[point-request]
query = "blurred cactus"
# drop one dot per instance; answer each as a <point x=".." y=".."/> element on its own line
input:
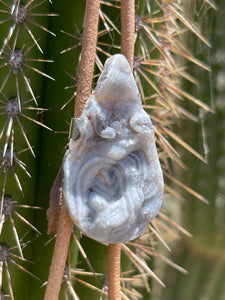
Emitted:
<point x="203" y="254"/>
<point x="34" y="69"/>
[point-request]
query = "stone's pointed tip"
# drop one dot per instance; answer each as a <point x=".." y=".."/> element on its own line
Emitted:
<point x="116" y="81"/>
<point x="119" y="62"/>
<point x="119" y="57"/>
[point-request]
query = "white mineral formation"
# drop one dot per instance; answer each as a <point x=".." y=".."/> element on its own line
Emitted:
<point x="113" y="183"/>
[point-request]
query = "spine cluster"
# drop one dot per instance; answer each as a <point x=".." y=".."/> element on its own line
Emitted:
<point x="20" y="35"/>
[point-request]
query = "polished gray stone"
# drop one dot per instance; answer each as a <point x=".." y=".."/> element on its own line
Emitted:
<point x="113" y="183"/>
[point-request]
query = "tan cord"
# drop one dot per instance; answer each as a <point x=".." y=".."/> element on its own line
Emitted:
<point x="86" y="68"/>
<point x="127" y="49"/>
<point x="127" y="29"/>
<point x="114" y="251"/>
<point x="59" y="256"/>
<point x="55" y="203"/>
<point x="88" y="53"/>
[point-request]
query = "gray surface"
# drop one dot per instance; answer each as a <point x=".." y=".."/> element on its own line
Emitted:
<point x="113" y="184"/>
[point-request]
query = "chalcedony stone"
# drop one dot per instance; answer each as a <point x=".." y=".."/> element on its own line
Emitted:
<point x="113" y="183"/>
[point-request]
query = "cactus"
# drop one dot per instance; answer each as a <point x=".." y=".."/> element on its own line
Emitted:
<point x="203" y="254"/>
<point x="39" y="56"/>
